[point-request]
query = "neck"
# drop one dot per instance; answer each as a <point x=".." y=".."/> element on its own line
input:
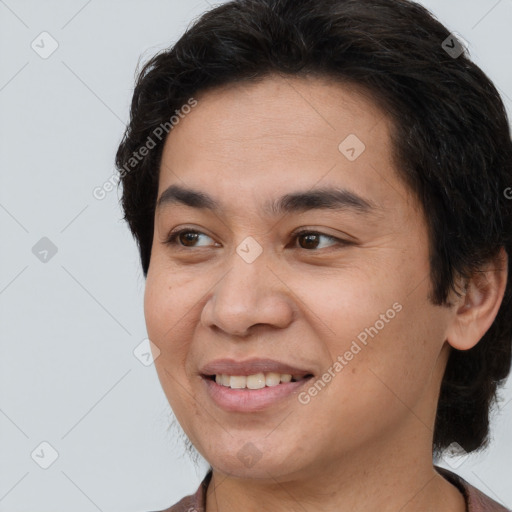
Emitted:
<point x="390" y="480"/>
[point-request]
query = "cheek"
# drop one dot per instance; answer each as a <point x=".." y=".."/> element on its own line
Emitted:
<point x="393" y="366"/>
<point x="169" y="299"/>
<point x="166" y="322"/>
<point x="343" y="304"/>
<point x="165" y="312"/>
<point x="155" y="307"/>
<point x="385" y="338"/>
<point x="379" y="385"/>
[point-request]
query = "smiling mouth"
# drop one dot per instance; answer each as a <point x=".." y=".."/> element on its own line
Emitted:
<point x="256" y="381"/>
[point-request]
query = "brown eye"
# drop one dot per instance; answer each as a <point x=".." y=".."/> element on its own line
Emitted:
<point x="311" y="240"/>
<point x="186" y="238"/>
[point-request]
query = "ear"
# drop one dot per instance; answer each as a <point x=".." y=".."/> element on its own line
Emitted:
<point x="476" y="310"/>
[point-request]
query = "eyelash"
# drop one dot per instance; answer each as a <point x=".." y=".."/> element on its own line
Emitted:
<point x="173" y="236"/>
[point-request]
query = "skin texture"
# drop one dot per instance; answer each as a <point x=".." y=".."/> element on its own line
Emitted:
<point x="364" y="442"/>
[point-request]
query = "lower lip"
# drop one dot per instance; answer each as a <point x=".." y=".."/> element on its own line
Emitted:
<point x="250" y="400"/>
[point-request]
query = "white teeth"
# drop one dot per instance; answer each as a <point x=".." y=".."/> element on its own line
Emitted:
<point x="272" y="379"/>
<point x="237" y="382"/>
<point x="255" y="381"/>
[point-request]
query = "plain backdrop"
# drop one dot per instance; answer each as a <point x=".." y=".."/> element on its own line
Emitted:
<point x="75" y="394"/>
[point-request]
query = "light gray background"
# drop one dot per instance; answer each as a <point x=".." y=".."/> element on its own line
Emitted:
<point x="68" y="375"/>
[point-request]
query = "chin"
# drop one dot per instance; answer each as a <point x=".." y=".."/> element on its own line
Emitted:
<point x="251" y="463"/>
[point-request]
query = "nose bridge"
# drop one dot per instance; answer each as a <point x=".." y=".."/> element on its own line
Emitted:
<point x="248" y="276"/>
<point x="249" y="293"/>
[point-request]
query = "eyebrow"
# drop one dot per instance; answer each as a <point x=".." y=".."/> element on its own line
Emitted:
<point x="295" y="202"/>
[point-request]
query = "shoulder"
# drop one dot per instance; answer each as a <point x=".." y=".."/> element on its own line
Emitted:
<point x="186" y="504"/>
<point x="476" y="500"/>
<point x="194" y="502"/>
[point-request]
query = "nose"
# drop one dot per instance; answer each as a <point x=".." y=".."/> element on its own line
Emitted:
<point x="248" y="295"/>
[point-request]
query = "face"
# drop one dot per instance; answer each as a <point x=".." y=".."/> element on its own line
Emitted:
<point x="301" y="253"/>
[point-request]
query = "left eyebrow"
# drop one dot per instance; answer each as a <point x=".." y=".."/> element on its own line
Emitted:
<point x="295" y="202"/>
<point x="320" y="199"/>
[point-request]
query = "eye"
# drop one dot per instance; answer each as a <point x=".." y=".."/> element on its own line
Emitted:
<point x="186" y="238"/>
<point x="309" y="240"/>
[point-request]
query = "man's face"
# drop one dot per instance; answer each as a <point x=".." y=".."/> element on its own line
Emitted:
<point x="346" y="302"/>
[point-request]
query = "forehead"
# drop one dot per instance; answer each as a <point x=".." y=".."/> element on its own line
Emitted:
<point x="279" y="134"/>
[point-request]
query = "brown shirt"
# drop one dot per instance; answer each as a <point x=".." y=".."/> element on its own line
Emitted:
<point x="476" y="501"/>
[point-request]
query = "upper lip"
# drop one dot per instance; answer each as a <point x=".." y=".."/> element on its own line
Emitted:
<point x="250" y="367"/>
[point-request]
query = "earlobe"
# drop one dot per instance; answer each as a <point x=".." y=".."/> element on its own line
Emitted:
<point x="477" y="308"/>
